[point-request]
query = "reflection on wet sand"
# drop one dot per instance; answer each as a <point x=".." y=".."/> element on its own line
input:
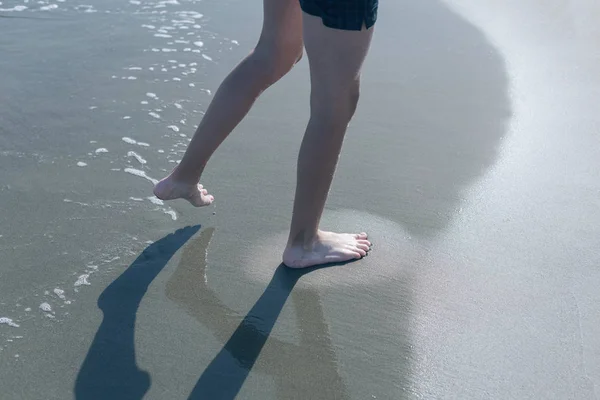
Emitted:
<point x="285" y="362"/>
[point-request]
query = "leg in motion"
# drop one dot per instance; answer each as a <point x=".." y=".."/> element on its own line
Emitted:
<point x="335" y="57"/>
<point x="278" y="49"/>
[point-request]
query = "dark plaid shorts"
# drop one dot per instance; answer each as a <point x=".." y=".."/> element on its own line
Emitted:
<point x="349" y="15"/>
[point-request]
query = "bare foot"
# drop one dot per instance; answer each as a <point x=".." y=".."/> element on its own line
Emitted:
<point x="327" y="247"/>
<point x="170" y="189"/>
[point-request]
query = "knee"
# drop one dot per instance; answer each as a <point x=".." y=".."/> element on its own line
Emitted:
<point x="336" y="102"/>
<point x="276" y="60"/>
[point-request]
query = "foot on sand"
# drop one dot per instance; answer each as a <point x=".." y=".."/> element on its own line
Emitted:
<point x="170" y="189"/>
<point x="327" y="247"/>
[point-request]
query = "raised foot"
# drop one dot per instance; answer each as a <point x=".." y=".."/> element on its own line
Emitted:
<point x="327" y="247"/>
<point x="170" y="189"/>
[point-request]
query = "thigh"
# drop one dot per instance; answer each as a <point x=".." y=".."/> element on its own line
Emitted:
<point x="335" y="56"/>
<point x="282" y="23"/>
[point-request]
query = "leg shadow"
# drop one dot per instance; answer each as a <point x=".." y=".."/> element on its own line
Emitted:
<point x="440" y="105"/>
<point x="225" y="375"/>
<point x="109" y="370"/>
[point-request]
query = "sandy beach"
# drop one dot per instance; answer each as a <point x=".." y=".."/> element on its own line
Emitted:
<point x="473" y="162"/>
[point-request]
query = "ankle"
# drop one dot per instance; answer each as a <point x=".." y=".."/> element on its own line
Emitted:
<point x="180" y="176"/>
<point x="304" y="238"/>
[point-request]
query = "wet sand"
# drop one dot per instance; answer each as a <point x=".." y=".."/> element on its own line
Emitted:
<point x="473" y="162"/>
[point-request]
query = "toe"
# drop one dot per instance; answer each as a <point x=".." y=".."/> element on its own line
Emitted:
<point x="204" y="191"/>
<point x="361" y="252"/>
<point x="361" y="236"/>
<point x="363" y="241"/>
<point x="363" y="247"/>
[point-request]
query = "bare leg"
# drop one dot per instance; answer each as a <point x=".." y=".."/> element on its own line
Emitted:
<point x="336" y="58"/>
<point x="278" y="49"/>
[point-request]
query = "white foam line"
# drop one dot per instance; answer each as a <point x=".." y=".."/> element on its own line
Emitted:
<point x="49" y="7"/>
<point x="152" y="95"/>
<point x="172" y="213"/>
<point x="82" y="280"/>
<point x="60" y="293"/>
<point x="81" y="164"/>
<point x="190" y="14"/>
<point x="156" y="200"/>
<point x="174" y="128"/>
<point x="141" y="174"/>
<point x="137" y="157"/>
<point x="153" y="114"/>
<point x="8" y="321"/>
<point x="101" y="150"/>
<point x="46" y="307"/>
<point x="15" y="8"/>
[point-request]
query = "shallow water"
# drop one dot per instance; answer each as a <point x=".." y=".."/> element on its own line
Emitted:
<point x="472" y="162"/>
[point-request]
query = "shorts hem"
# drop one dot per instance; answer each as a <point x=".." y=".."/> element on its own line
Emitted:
<point x="347" y="25"/>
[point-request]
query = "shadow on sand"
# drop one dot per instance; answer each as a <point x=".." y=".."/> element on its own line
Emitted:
<point x="109" y="370"/>
<point x="431" y="120"/>
<point x="225" y="375"/>
<point x="445" y="67"/>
